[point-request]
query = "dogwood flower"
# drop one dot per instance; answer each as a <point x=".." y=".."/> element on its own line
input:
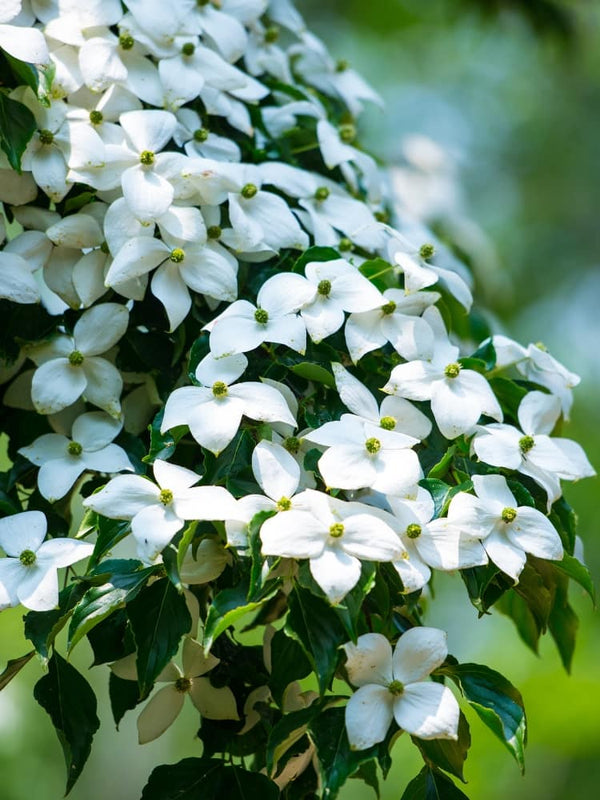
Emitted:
<point x="507" y="531"/>
<point x="16" y="281"/>
<point x="334" y="535"/>
<point x="29" y="573"/>
<point x="214" y="410"/>
<point x="158" y="511"/>
<point x="392" y="685"/>
<point x="164" y="707"/>
<point x="532" y="451"/>
<point x="68" y="366"/>
<point x="62" y="460"/>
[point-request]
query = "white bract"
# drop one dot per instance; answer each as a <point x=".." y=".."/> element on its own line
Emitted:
<point x="62" y="460"/>
<point x="28" y="575"/>
<point x="532" y="451"/>
<point x="213" y="411"/>
<point x="158" y="511"/>
<point x="393" y="685"/>
<point x="507" y="531"/>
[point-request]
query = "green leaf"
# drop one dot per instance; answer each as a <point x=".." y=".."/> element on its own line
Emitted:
<point x="286" y="732"/>
<point x="25" y="73"/>
<point x="314" y="372"/>
<point x="125" y="580"/>
<point x="228" y="606"/>
<point x="336" y="760"/>
<point x="315" y="254"/>
<point x="69" y="700"/>
<point x="486" y="352"/>
<point x="380" y="272"/>
<point x="349" y="609"/>
<point x="13" y="667"/>
<point x="207" y="779"/>
<point x="41" y="627"/>
<point x="258" y="560"/>
<point x="572" y="567"/>
<point x="159" y="618"/>
<point x="440" y="469"/>
<point x="110" y="533"/>
<point x="430" y="784"/>
<point x="124" y="695"/>
<point x="563" y="624"/>
<point x="447" y="754"/>
<point x="442" y="493"/>
<point x="314" y="623"/>
<point x="496" y="701"/>
<point x="289" y="663"/>
<point x="509" y="394"/>
<point x="17" y="126"/>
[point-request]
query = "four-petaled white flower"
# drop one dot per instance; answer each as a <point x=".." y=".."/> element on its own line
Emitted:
<point x="394" y="686"/>
<point x="29" y="573"/>
<point x="164" y="707"/>
<point x="62" y="460"/>
<point x="507" y="531"/>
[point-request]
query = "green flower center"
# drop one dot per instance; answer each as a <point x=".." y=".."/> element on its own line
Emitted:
<point x="104" y="248"/>
<point x="76" y="358"/>
<point x="322" y="193"/>
<point x="74" y="449"/>
<point x="426" y="251"/>
<point x="382" y="216"/>
<point x="214" y="232"/>
<point x="284" y="504"/>
<point x="261" y="316"/>
<point x="46" y="136"/>
<point x="452" y="370"/>
<point x="345" y="245"/>
<point x="249" y="191"/>
<point x="126" y="41"/>
<point x="27" y="558"/>
<point x="201" y="134"/>
<point x="177" y="255"/>
<point x="389" y="308"/>
<point x="292" y="444"/>
<point x="271" y="34"/>
<point x="414" y="530"/>
<point x="396" y="688"/>
<point x="188" y="49"/>
<point x="165" y="496"/>
<point x="372" y="445"/>
<point x="387" y="423"/>
<point x="324" y="288"/>
<point x="183" y="685"/>
<point x="146" y="158"/>
<point x="509" y="514"/>
<point x="541" y="346"/>
<point x="526" y="443"/>
<point x="96" y="117"/>
<point x="347" y="133"/>
<point x="219" y="389"/>
<point x="341" y="65"/>
<point x="336" y="530"/>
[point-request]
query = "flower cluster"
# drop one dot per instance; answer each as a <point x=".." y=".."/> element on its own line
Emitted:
<point x="201" y="248"/>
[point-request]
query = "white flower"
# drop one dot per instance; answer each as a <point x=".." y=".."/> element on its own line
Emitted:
<point x="393" y="686"/>
<point x="213" y="411"/>
<point x="25" y="43"/>
<point x="164" y="707"/>
<point x="333" y="535"/>
<point x="69" y="365"/>
<point x="532" y="451"/>
<point x="157" y="512"/>
<point x="508" y="531"/>
<point x="458" y="396"/>
<point x="29" y="574"/>
<point x="16" y="281"/>
<point x="62" y="460"/>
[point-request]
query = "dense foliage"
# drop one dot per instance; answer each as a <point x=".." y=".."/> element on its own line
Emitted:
<point x="206" y="288"/>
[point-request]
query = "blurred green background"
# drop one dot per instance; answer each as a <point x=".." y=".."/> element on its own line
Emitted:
<point x="511" y="90"/>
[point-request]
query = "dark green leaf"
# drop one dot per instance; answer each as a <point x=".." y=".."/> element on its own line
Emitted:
<point x="315" y="254"/>
<point x="367" y="772"/>
<point x="71" y="704"/>
<point x="124" y="695"/>
<point x="314" y="372"/>
<point x="228" y="607"/>
<point x="159" y="618"/>
<point x="41" y="627"/>
<point x="336" y="760"/>
<point x="442" y="493"/>
<point x="289" y="663"/>
<point x="207" y="779"/>
<point x="440" y="469"/>
<point x="111" y="639"/>
<point x="572" y="567"/>
<point x="486" y="352"/>
<point x="496" y="701"/>
<point x="430" y="784"/>
<point x="287" y="731"/>
<point x="349" y="610"/>
<point x="124" y="581"/>
<point x="314" y="623"/>
<point x="13" y="667"/>
<point x="447" y="754"/>
<point x="509" y="394"/>
<point x="110" y="532"/>
<point x="254" y="540"/>
<point x="25" y="73"/>
<point x="17" y="126"/>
